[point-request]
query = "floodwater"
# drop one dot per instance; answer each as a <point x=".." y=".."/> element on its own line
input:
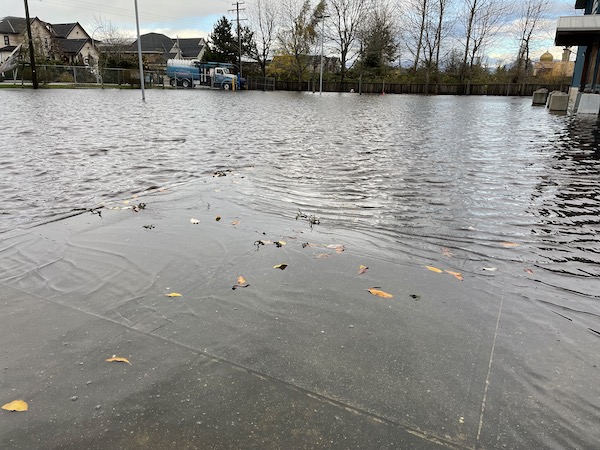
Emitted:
<point x="410" y="172"/>
<point x="508" y="191"/>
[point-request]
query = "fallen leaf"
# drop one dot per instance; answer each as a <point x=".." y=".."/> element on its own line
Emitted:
<point x="509" y="244"/>
<point x="322" y="255"/>
<point x="16" y="405"/>
<point x="235" y="222"/>
<point x="457" y="275"/>
<point x="528" y="270"/>
<point x="362" y="269"/>
<point x="490" y="269"/>
<point x="339" y="248"/>
<point x="434" y="269"/>
<point x="126" y="202"/>
<point x="218" y="218"/>
<point x="379" y="293"/>
<point x="194" y="221"/>
<point x="241" y="280"/>
<point x="447" y="252"/>
<point x="117" y="359"/>
<point x="174" y="294"/>
<point x="279" y="244"/>
<point x="280" y="266"/>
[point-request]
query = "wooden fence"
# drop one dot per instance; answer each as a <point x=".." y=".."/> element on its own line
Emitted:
<point x="506" y="89"/>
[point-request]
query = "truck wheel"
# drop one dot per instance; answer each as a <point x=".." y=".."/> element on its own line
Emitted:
<point x="173" y="82"/>
<point x="185" y="83"/>
<point x="226" y="86"/>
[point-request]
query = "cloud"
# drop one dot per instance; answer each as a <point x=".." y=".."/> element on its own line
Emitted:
<point x="190" y="17"/>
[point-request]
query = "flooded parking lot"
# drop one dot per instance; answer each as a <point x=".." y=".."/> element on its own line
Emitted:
<point x="502" y="193"/>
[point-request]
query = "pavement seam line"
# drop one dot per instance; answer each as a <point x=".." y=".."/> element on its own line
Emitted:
<point x="319" y="397"/>
<point x="487" y="378"/>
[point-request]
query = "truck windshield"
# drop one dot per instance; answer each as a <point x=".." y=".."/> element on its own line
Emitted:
<point x="225" y="70"/>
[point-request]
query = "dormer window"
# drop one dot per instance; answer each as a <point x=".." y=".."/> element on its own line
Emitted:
<point x="6" y="40"/>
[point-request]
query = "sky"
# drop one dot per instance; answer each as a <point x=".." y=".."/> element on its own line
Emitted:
<point x="196" y="18"/>
<point x="183" y="18"/>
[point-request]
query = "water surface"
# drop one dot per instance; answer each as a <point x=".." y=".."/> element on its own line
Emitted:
<point x="494" y="186"/>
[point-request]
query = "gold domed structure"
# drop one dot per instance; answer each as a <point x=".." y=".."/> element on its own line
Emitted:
<point x="547" y="57"/>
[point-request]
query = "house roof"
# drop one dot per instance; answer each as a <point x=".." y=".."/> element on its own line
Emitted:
<point x="13" y="25"/>
<point x="70" y="46"/>
<point x="190" y="47"/>
<point x="8" y="48"/>
<point x="62" y="30"/>
<point x="155" y="43"/>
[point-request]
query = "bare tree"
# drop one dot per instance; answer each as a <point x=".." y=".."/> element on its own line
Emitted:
<point x="532" y="12"/>
<point x="111" y="42"/>
<point x="345" y="20"/>
<point x="263" y="16"/>
<point x="427" y="25"/>
<point x="482" y="20"/>
<point x="299" y="32"/>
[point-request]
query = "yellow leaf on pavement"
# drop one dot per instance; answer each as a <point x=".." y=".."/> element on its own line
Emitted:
<point x="280" y="266"/>
<point x="241" y="280"/>
<point x="117" y="359"/>
<point x="434" y="269"/>
<point x="509" y="244"/>
<point x="174" y="294"/>
<point x="16" y="405"/>
<point x="457" y="275"/>
<point x="379" y="293"/>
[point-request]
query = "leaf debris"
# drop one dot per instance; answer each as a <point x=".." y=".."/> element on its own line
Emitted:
<point x="16" y="406"/>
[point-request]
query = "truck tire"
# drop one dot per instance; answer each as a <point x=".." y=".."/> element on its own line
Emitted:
<point x="186" y="83"/>
<point x="226" y="85"/>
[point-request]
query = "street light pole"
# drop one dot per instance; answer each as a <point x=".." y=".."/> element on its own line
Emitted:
<point x="34" y="79"/>
<point x="322" y="35"/>
<point x="137" y="24"/>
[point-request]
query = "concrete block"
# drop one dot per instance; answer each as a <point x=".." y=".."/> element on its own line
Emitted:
<point x="589" y="104"/>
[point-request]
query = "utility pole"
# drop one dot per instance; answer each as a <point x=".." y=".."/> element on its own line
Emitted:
<point x="237" y="10"/>
<point x="31" y="49"/>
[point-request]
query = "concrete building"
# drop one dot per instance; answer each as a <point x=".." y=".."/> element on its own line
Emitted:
<point x="553" y="71"/>
<point x="584" y="32"/>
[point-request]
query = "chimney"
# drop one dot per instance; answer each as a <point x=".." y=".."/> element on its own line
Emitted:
<point x="566" y="54"/>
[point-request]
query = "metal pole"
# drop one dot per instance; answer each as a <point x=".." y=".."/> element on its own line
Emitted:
<point x="31" y="50"/>
<point x="137" y="24"/>
<point x="322" y="34"/>
<point x="239" y="36"/>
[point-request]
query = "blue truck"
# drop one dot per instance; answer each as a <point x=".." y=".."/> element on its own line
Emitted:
<point x="191" y="73"/>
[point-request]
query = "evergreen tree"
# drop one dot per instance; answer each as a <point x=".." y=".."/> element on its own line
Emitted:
<point x="222" y="45"/>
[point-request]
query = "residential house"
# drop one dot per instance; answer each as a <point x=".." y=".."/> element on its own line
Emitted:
<point x="68" y="42"/>
<point x="583" y="31"/>
<point x="188" y="48"/>
<point x="158" y="48"/>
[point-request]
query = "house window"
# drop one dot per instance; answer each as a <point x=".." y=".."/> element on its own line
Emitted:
<point x="6" y="40"/>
